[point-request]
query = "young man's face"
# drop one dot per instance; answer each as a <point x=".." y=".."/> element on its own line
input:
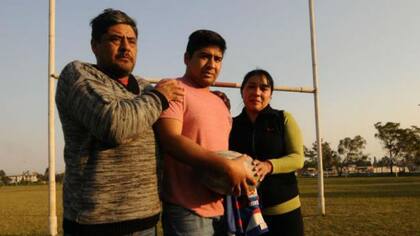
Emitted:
<point x="204" y="65"/>
<point x="116" y="51"/>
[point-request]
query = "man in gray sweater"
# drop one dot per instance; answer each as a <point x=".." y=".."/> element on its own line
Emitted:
<point x="110" y="184"/>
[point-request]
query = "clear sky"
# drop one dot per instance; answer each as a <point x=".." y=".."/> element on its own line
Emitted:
<point x="368" y="61"/>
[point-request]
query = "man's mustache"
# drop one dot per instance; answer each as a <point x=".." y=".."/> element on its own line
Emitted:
<point x="124" y="55"/>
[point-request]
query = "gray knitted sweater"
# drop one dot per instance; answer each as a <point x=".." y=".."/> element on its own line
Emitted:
<point x="110" y="151"/>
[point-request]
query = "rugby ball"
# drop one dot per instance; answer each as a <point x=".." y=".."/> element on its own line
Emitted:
<point x="219" y="182"/>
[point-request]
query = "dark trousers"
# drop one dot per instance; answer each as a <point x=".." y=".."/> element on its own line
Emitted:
<point x="288" y="224"/>
<point x="136" y="227"/>
<point x="179" y="221"/>
<point x="146" y="232"/>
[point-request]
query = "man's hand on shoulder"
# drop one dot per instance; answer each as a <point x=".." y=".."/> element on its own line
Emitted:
<point x="171" y="89"/>
<point x="222" y="96"/>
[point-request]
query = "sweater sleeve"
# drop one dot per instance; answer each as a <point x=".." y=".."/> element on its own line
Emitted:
<point x="294" y="148"/>
<point x="91" y="100"/>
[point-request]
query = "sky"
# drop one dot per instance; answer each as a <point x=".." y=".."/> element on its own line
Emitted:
<point x="368" y="62"/>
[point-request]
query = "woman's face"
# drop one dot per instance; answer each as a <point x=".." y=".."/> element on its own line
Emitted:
<point x="256" y="93"/>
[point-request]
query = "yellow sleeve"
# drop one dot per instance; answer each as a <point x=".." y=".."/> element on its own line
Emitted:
<point x="294" y="148"/>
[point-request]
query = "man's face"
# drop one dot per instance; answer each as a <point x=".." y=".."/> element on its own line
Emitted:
<point x="116" y="51"/>
<point x="204" y="65"/>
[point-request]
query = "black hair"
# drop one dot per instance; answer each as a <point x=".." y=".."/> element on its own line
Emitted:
<point x="204" y="38"/>
<point x="108" y="18"/>
<point x="258" y="72"/>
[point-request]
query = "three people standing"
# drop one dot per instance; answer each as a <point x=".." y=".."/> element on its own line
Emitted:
<point x="107" y="115"/>
<point x="108" y="118"/>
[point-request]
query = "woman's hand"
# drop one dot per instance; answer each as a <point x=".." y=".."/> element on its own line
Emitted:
<point x="262" y="168"/>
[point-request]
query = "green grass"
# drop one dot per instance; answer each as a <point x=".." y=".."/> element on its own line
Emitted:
<point x="363" y="206"/>
<point x="354" y="206"/>
<point x="24" y="210"/>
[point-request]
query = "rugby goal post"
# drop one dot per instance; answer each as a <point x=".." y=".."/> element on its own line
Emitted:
<point x="51" y="117"/>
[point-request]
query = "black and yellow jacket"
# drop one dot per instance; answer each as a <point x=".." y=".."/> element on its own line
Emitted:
<point x="275" y="137"/>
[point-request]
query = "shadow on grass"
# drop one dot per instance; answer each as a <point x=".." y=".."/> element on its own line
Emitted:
<point x="365" y="194"/>
<point x="310" y="216"/>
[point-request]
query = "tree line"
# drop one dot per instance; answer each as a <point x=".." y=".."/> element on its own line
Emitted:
<point x="402" y="147"/>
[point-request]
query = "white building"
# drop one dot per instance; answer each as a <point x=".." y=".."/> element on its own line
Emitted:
<point x="24" y="177"/>
<point x="386" y="169"/>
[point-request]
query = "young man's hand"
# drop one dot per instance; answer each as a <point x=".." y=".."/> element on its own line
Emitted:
<point x="241" y="179"/>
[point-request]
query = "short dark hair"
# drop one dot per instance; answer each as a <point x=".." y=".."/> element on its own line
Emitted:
<point x="108" y="18"/>
<point x="204" y="38"/>
<point x="258" y="72"/>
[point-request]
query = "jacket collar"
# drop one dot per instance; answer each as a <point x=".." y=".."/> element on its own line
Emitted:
<point x="131" y="86"/>
<point x="266" y="111"/>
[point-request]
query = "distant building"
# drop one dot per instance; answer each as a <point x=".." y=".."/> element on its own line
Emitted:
<point x="387" y="169"/>
<point x="350" y="168"/>
<point x="309" y="172"/>
<point x="333" y="171"/>
<point x="353" y="169"/>
<point x="24" y="177"/>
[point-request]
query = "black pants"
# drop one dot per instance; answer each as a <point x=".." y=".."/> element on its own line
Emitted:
<point x="288" y="224"/>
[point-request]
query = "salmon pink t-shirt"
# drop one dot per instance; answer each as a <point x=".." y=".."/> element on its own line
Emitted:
<point x="207" y="121"/>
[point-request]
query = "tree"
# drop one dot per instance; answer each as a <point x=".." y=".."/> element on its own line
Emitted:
<point x="351" y="150"/>
<point x="2" y="175"/>
<point x="45" y="176"/>
<point x="311" y="157"/>
<point x="410" y="145"/>
<point x="416" y="146"/>
<point x="329" y="156"/>
<point x="384" y="161"/>
<point x="3" y="178"/>
<point x="58" y="177"/>
<point x="400" y="143"/>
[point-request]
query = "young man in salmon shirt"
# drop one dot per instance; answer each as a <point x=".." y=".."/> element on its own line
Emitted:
<point x="191" y="132"/>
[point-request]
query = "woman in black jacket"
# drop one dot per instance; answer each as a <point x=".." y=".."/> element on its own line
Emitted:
<point x="273" y="139"/>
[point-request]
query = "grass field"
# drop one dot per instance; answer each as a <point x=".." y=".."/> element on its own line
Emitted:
<point x="354" y="206"/>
